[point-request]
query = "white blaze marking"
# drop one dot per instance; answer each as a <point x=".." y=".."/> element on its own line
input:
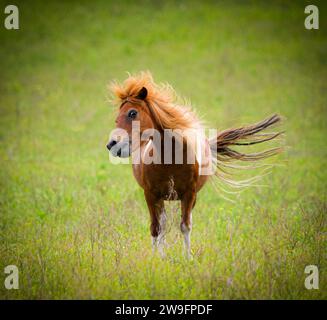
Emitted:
<point x="146" y="148"/>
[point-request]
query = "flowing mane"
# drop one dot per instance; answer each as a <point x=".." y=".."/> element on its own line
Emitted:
<point x="161" y="99"/>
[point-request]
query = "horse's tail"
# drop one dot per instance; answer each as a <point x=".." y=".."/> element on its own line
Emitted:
<point x="224" y="155"/>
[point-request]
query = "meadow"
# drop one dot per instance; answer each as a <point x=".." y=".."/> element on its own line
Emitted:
<point x="77" y="226"/>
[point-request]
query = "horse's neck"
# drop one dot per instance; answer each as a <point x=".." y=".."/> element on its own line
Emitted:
<point x="158" y="146"/>
<point x="145" y="146"/>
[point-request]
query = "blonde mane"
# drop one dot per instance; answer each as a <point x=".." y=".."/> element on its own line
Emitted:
<point x="161" y="99"/>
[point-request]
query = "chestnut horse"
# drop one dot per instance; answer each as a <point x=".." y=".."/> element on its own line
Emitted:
<point x="154" y="107"/>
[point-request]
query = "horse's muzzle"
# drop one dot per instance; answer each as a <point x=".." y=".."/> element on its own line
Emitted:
<point x="111" y="144"/>
<point x="119" y="148"/>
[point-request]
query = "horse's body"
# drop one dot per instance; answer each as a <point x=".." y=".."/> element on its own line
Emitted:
<point x="142" y="100"/>
<point x="169" y="182"/>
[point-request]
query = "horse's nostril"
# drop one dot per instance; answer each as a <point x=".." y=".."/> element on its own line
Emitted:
<point x="111" y="144"/>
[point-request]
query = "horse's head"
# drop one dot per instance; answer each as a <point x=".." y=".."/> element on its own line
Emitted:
<point x="132" y="110"/>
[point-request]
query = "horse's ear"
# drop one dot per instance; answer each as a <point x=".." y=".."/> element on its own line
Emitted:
<point x="142" y="93"/>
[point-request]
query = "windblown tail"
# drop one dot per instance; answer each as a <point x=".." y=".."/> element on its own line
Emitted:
<point x="223" y="153"/>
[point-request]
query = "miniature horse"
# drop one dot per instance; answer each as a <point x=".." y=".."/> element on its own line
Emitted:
<point x="154" y="108"/>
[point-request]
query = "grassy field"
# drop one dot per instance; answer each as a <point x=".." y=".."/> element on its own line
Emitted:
<point x="77" y="226"/>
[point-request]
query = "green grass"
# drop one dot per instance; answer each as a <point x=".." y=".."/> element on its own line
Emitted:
<point x="77" y="226"/>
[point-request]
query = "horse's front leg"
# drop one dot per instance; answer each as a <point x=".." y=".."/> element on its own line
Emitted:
<point x="188" y="202"/>
<point x="158" y="221"/>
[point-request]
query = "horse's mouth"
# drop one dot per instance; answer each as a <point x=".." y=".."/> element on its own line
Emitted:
<point x="121" y="149"/>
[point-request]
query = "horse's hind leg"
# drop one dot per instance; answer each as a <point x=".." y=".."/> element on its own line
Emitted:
<point x="188" y="202"/>
<point x="158" y="221"/>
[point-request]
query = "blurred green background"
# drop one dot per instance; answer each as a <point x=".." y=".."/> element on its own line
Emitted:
<point x="77" y="226"/>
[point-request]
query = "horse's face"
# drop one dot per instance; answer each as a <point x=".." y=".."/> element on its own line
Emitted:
<point x="131" y="111"/>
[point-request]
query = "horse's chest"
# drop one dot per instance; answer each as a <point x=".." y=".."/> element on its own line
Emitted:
<point x="168" y="181"/>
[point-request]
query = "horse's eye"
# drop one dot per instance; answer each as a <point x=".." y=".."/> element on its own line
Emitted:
<point x="132" y="114"/>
